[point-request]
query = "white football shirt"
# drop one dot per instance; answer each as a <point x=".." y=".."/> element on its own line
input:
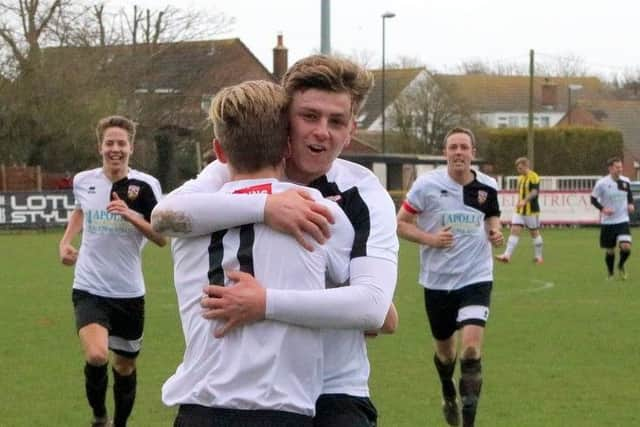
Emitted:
<point x="614" y="194"/>
<point x="372" y="214"/>
<point x="439" y="201"/>
<point x="109" y="262"/>
<point x="268" y="364"/>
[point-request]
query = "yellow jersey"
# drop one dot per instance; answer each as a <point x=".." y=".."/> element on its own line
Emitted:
<point x="527" y="183"/>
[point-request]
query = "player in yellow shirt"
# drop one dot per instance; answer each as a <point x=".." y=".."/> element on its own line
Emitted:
<point x="527" y="212"/>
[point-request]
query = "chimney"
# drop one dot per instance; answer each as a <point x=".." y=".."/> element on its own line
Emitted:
<point x="549" y="95"/>
<point x="280" y="61"/>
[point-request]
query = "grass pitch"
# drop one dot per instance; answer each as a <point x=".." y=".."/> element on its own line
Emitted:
<point x="561" y="346"/>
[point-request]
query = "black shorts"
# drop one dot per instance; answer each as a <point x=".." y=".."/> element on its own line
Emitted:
<point x="343" y="410"/>
<point x="122" y="317"/>
<point x="611" y="234"/>
<point x="448" y="311"/>
<point x="202" y="416"/>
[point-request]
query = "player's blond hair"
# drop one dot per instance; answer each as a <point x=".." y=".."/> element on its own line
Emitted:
<point x="522" y="161"/>
<point x="331" y="74"/>
<point x="250" y="121"/>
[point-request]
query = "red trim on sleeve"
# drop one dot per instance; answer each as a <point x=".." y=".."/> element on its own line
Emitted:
<point x="256" y="189"/>
<point x="409" y="208"/>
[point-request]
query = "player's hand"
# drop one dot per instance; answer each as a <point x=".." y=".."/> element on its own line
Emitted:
<point x="496" y="238"/>
<point x="294" y="212"/>
<point x="607" y="211"/>
<point x="444" y="238"/>
<point x="68" y="254"/>
<point x="243" y="302"/>
<point x="118" y="206"/>
<point x="521" y="204"/>
<point x="631" y="208"/>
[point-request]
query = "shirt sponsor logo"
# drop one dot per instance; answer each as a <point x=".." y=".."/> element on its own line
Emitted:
<point x="482" y="197"/>
<point x="133" y="191"/>
<point x="463" y="222"/>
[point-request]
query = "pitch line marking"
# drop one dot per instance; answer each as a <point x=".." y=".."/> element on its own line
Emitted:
<point x="542" y="286"/>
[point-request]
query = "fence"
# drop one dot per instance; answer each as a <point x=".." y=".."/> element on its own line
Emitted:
<point x="556" y="183"/>
<point x="29" y="178"/>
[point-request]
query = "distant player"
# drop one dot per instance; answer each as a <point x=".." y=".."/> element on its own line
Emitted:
<point x="613" y="198"/>
<point x="454" y="215"/>
<point x="527" y="212"/>
<point x="113" y="208"/>
<point x="269" y="373"/>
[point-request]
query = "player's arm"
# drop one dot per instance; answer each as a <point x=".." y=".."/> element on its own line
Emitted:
<point x="119" y="206"/>
<point x="408" y="229"/>
<point x="67" y="252"/>
<point x="196" y="209"/>
<point x="195" y="214"/>
<point x="630" y="206"/>
<point x="361" y="305"/>
<point x="492" y="223"/>
<point x="596" y="203"/>
<point x="390" y="323"/>
<point x="494" y="230"/>
<point x="533" y="193"/>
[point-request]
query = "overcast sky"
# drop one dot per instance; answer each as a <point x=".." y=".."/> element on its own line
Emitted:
<point x="440" y="34"/>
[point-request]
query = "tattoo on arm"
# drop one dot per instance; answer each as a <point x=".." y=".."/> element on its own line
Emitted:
<point x="176" y="222"/>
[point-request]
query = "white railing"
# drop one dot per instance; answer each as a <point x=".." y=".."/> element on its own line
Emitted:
<point x="556" y="183"/>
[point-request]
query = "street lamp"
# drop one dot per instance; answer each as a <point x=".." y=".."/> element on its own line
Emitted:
<point x="571" y="88"/>
<point x="384" y="17"/>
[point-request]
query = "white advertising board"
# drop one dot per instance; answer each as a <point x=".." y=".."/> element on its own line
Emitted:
<point x="556" y="207"/>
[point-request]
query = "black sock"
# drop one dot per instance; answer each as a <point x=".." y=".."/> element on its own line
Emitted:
<point x="445" y="372"/>
<point x="470" y="386"/>
<point x="124" y="394"/>
<point x="623" y="258"/>
<point x="95" y="384"/>
<point x="610" y="259"/>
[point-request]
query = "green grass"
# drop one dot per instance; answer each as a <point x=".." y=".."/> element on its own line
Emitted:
<point x="561" y="346"/>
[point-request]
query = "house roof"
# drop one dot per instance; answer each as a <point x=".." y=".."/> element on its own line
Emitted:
<point x="492" y="93"/>
<point x="188" y="70"/>
<point x="191" y="66"/>
<point x="621" y="115"/>
<point x="396" y="80"/>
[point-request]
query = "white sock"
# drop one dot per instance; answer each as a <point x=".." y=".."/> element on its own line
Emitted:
<point x="537" y="246"/>
<point x="512" y="242"/>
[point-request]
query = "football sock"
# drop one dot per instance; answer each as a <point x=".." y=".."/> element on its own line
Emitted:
<point x="512" y="242"/>
<point x="124" y="394"/>
<point x="623" y="258"/>
<point x="470" y="386"/>
<point x="537" y="246"/>
<point x="95" y="384"/>
<point x="445" y="372"/>
<point x="609" y="259"/>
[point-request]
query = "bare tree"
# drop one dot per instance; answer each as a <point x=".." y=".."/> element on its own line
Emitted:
<point x="49" y="98"/>
<point x="427" y="111"/>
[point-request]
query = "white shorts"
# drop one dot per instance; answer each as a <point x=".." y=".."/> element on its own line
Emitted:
<point x="532" y="222"/>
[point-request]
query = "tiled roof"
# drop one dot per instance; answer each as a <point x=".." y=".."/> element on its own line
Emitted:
<point x="396" y="80"/>
<point x="621" y="115"/>
<point x="194" y="66"/>
<point x="492" y="93"/>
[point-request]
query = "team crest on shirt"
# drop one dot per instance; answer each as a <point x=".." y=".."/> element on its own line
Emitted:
<point x="133" y="191"/>
<point x="482" y="197"/>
